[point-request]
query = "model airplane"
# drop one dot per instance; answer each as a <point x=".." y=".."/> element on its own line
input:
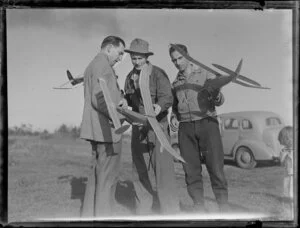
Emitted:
<point x="72" y="80"/>
<point x="241" y="80"/>
<point x="150" y="113"/>
<point x="135" y="118"/>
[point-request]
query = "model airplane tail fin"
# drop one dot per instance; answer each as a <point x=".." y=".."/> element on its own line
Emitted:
<point x="239" y="79"/>
<point x="70" y="77"/>
<point x="238" y="69"/>
<point x="221" y="81"/>
<point x="74" y="81"/>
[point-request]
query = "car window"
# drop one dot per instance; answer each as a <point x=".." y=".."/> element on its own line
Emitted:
<point x="246" y="124"/>
<point x="231" y="123"/>
<point x="273" y="121"/>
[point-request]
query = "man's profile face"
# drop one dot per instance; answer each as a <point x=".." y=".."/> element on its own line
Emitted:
<point x="115" y="53"/>
<point x="179" y="60"/>
<point x="138" y="60"/>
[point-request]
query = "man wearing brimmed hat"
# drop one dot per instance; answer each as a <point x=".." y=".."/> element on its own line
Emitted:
<point x="164" y="197"/>
<point x="198" y="127"/>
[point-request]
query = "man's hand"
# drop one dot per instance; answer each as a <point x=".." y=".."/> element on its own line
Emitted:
<point x="123" y="103"/>
<point x="213" y="93"/>
<point x="174" y="123"/>
<point x="157" y="109"/>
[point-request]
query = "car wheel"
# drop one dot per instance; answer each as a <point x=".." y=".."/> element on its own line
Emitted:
<point x="244" y="158"/>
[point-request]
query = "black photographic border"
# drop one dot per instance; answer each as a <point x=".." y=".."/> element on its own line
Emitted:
<point x="134" y="4"/>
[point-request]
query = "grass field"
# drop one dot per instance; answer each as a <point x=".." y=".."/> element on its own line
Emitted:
<point x="47" y="180"/>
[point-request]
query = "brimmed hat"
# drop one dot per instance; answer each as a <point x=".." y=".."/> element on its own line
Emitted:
<point x="139" y="46"/>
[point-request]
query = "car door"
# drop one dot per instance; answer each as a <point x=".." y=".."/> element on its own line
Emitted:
<point x="230" y="133"/>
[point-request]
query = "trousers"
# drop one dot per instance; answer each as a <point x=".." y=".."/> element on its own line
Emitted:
<point x="197" y="136"/>
<point x="100" y="190"/>
<point x="163" y="166"/>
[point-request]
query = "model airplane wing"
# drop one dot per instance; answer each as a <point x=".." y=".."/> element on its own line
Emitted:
<point x="241" y="77"/>
<point x="150" y="114"/>
<point x="250" y="86"/>
<point x="112" y="109"/>
<point x="62" y="86"/>
<point x="228" y="71"/>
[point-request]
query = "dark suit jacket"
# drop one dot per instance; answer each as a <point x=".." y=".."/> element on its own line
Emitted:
<point x="96" y="124"/>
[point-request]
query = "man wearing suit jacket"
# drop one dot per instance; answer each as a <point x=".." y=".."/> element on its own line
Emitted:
<point x="97" y="128"/>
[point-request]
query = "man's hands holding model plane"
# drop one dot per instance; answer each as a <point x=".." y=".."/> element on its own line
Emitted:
<point x="212" y="93"/>
<point x="123" y="103"/>
<point x="174" y="123"/>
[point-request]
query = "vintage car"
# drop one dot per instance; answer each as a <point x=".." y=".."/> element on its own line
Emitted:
<point x="248" y="137"/>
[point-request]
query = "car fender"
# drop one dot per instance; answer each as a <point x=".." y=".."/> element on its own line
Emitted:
<point x="259" y="149"/>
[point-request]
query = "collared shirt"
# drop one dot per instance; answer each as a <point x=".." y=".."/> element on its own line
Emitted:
<point x="191" y="101"/>
<point x="135" y="77"/>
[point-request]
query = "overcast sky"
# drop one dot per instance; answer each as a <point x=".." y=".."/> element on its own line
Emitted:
<point x="43" y="44"/>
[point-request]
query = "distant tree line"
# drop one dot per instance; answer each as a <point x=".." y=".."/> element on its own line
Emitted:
<point x="62" y="131"/>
